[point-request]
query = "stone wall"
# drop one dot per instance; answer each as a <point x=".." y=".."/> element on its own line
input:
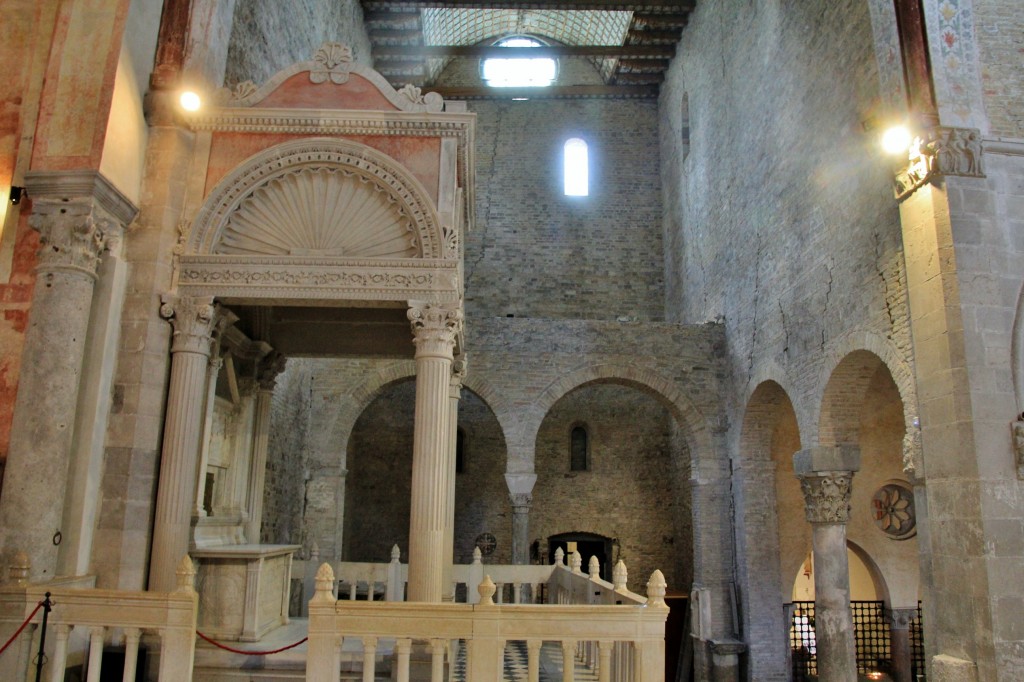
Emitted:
<point x="284" y="491"/>
<point x="999" y="28"/>
<point x="535" y="252"/>
<point x="268" y="35"/>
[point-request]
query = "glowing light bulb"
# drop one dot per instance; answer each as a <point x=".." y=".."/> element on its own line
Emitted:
<point x="190" y="101"/>
<point x="896" y="140"/>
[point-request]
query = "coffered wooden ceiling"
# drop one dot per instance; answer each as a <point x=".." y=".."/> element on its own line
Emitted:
<point x="631" y="44"/>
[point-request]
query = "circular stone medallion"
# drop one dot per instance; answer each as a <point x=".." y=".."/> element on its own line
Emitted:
<point x="486" y="542"/>
<point x="892" y="509"/>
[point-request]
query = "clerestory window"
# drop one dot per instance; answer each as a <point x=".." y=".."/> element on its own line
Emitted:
<point x="519" y="72"/>
<point x="576" y="171"/>
<point x="579" y="449"/>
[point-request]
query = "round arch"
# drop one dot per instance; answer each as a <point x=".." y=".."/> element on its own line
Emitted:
<point x="306" y="160"/>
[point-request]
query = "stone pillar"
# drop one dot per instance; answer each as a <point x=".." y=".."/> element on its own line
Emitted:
<point x="454" y="394"/>
<point x="826" y="476"/>
<point x="520" y="495"/>
<point x="195" y="321"/>
<point x="435" y="329"/>
<point x="212" y="371"/>
<point x="266" y="377"/>
<point x="899" y="638"/>
<point x="75" y="214"/>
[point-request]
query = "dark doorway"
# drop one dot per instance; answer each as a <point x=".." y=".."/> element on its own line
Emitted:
<point x="588" y="545"/>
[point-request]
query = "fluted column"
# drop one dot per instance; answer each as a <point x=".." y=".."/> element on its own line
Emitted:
<point x="435" y="329"/>
<point x="826" y="476"/>
<point x="454" y="394"/>
<point x="195" y="321"/>
<point x="266" y="377"/>
<point x="75" y="214"/>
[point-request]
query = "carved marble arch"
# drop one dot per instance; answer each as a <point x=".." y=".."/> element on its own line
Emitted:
<point x="320" y="198"/>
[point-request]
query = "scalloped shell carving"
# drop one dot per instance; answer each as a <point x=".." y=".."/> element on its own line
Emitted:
<point x="320" y="212"/>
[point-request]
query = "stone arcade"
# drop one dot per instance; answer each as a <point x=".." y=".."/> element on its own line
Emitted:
<point x="335" y="354"/>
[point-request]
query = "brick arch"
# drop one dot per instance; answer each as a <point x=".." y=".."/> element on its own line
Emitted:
<point x="766" y="405"/>
<point x="364" y="394"/>
<point x="900" y="370"/>
<point x="686" y="414"/>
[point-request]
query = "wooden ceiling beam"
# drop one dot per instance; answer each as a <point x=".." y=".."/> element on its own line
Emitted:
<point x="639" y="52"/>
<point x="550" y="92"/>
<point x="646" y="6"/>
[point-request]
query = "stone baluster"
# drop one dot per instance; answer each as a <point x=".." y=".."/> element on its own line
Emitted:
<point x="437" y="648"/>
<point x="131" y="652"/>
<point x="75" y="214"/>
<point x="826" y="477"/>
<point x="60" y="653"/>
<point x="454" y="394"/>
<point x="568" y="659"/>
<point x="604" y="660"/>
<point x="369" y="659"/>
<point x="435" y="329"/>
<point x="194" y="321"/>
<point x="403" y="650"/>
<point x="266" y="377"/>
<point x="533" y="659"/>
<point x="899" y="633"/>
<point x="95" y="653"/>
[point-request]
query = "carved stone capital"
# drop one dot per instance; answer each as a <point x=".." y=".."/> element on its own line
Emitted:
<point x="435" y="329"/>
<point x="195" y="322"/>
<point x="827" y="496"/>
<point x="458" y="372"/>
<point x="71" y="235"/>
<point x="940" y="150"/>
<point x="269" y="369"/>
<point x="520" y="502"/>
<point x="912" y="452"/>
<point x="900" y="619"/>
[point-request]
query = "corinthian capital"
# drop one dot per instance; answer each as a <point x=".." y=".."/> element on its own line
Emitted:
<point x="268" y="370"/>
<point x="196" y="322"/>
<point x="72" y="234"/>
<point x="434" y="328"/>
<point x="827" y="496"/>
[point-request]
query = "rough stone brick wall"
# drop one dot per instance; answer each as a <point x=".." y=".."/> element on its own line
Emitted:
<point x="629" y="492"/>
<point x="1000" y="37"/>
<point x="268" y="35"/>
<point x="537" y="253"/>
<point x="283" y="494"/>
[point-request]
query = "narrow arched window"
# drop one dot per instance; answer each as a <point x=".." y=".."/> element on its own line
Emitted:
<point x="579" y="444"/>
<point x="576" y="170"/>
<point x="460" y="451"/>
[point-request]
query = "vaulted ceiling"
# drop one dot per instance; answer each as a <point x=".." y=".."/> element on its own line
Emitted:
<point x="630" y="44"/>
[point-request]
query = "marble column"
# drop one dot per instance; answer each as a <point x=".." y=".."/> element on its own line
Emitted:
<point x="826" y="476"/>
<point x="76" y="213"/>
<point x="899" y="636"/>
<point x="435" y="329"/>
<point x="266" y="377"/>
<point x="520" y="527"/>
<point x="195" y="321"/>
<point x="454" y="394"/>
<point x="212" y="371"/>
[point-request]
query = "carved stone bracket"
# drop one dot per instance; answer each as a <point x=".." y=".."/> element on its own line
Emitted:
<point x="940" y="151"/>
<point x="1018" y="447"/>
<point x="435" y="328"/>
<point x="900" y="619"/>
<point x="827" y="496"/>
<point x="269" y="369"/>
<point x="459" y="366"/>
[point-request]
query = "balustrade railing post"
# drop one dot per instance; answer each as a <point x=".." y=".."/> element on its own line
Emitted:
<point x="178" y="640"/>
<point x="131" y="653"/>
<point x="403" y="648"/>
<point x="322" y="650"/>
<point x="369" y="659"/>
<point x="533" y="659"/>
<point x="437" y="647"/>
<point x="60" y="653"/>
<point x="568" y="660"/>
<point x="604" y="662"/>
<point x="95" y="653"/>
<point x="395" y="590"/>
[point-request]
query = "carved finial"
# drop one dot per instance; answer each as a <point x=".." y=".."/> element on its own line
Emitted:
<point x="19" y="569"/>
<point x="314" y="552"/>
<point x="486" y="589"/>
<point x="576" y="562"/>
<point x="186" y="573"/>
<point x="656" y="588"/>
<point x="619" y="575"/>
<point x="559" y="557"/>
<point x="594" y="568"/>
<point x="477" y="555"/>
<point x="396" y="554"/>
<point x="324" y="584"/>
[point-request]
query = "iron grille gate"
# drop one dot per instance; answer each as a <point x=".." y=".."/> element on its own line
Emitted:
<point x="871" y="638"/>
<point x="917" y="668"/>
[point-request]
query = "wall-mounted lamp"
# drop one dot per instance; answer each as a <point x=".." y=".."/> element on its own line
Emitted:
<point x="190" y="101"/>
<point x="16" y="194"/>
<point x="896" y="139"/>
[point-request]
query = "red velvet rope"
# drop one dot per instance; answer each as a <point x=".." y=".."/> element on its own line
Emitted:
<point x="250" y="653"/>
<point x="15" y="635"/>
